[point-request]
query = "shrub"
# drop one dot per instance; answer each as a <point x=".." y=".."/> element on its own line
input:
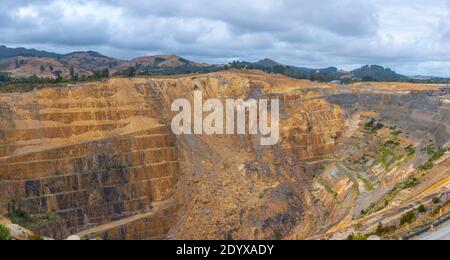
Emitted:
<point x="410" y="150"/>
<point x="396" y="133"/>
<point x="384" y="230"/>
<point x="410" y="183"/>
<point x="22" y="218"/>
<point x="422" y="209"/>
<point x="408" y="218"/>
<point x="4" y="233"/>
<point x="373" y="126"/>
<point x="357" y="237"/>
<point x="436" y="200"/>
<point x="427" y="166"/>
<point x="35" y="238"/>
<point x="437" y="155"/>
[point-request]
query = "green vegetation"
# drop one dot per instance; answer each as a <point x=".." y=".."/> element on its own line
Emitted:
<point x="4" y="77"/>
<point x="386" y="154"/>
<point x="396" y="133"/>
<point x="422" y="209"/>
<point x="367" y="184"/>
<point x="21" y="218"/>
<point x="321" y="75"/>
<point x="9" y="84"/>
<point x="373" y="126"/>
<point x="4" y="233"/>
<point x="436" y="200"/>
<point x="410" y="150"/>
<point x="129" y="72"/>
<point x="438" y="154"/>
<point x="436" y="211"/>
<point x="332" y="192"/>
<point x="427" y="166"/>
<point x="384" y="230"/>
<point x="357" y="237"/>
<point x="166" y="71"/>
<point x="408" y="218"/>
<point x="391" y="144"/>
<point x="35" y="238"/>
<point x="435" y="156"/>
<point x="24" y="219"/>
<point x="430" y="149"/>
<point x="410" y="183"/>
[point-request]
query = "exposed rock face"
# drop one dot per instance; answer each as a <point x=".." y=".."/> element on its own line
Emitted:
<point x="85" y="156"/>
<point x="99" y="160"/>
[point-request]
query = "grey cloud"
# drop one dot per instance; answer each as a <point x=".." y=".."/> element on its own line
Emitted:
<point x="409" y="35"/>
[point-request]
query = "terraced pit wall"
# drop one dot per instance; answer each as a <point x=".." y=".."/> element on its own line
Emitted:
<point x="99" y="160"/>
<point x="84" y="156"/>
<point x="420" y="113"/>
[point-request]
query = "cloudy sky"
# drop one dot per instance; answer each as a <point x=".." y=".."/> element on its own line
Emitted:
<point x="412" y="37"/>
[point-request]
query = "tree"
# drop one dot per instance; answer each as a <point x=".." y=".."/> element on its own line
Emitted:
<point x="4" y="77"/>
<point x="105" y="73"/>
<point x="422" y="209"/>
<point x="34" y="79"/>
<point x="129" y="72"/>
<point x="42" y="68"/>
<point x="408" y="218"/>
<point x="279" y="69"/>
<point x="71" y="72"/>
<point x="4" y="233"/>
<point x="237" y="65"/>
<point x="57" y="73"/>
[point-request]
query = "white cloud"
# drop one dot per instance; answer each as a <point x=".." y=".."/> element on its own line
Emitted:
<point x="409" y="36"/>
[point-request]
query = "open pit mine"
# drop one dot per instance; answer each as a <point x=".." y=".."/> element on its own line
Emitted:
<point x="99" y="161"/>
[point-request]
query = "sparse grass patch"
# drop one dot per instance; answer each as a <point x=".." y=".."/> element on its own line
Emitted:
<point x="330" y="190"/>
<point x="385" y="154"/>
<point x="367" y="184"/>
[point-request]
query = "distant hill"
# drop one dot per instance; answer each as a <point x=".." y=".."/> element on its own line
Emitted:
<point x="267" y="63"/>
<point x="6" y="52"/>
<point x="377" y="73"/>
<point x="271" y="66"/>
<point x="365" y="73"/>
<point x="161" y="64"/>
<point x="25" y="63"/>
<point x="21" y="63"/>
